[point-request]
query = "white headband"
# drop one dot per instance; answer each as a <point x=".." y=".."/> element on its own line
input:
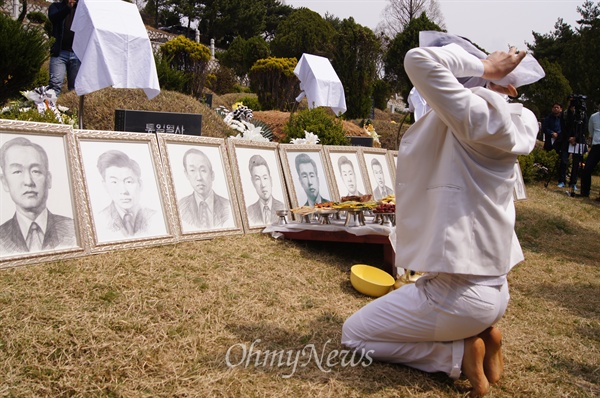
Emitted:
<point x="529" y="70"/>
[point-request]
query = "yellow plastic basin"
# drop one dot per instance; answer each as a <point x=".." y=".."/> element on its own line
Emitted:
<point x="370" y="280"/>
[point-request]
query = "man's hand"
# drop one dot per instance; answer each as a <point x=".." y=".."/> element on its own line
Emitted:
<point x="71" y="3"/>
<point x="499" y="63"/>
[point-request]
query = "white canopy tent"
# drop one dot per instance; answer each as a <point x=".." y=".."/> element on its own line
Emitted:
<point x="113" y="46"/>
<point x="320" y="84"/>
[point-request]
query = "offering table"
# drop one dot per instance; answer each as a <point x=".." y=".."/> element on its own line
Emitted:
<point x="336" y="232"/>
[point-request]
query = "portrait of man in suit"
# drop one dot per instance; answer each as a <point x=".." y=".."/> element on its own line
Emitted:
<point x="123" y="217"/>
<point x="309" y="179"/>
<point x="203" y="209"/>
<point x="381" y="190"/>
<point x="27" y="178"/>
<point x="348" y="176"/>
<point x="263" y="211"/>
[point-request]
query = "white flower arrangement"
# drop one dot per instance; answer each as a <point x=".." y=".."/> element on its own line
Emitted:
<point x="44" y="100"/>
<point x="248" y="131"/>
<point x="238" y="119"/>
<point x="309" y="139"/>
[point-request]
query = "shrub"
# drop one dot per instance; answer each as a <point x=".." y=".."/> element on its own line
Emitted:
<point x="37" y="17"/>
<point x="190" y="58"/>
<point x="328" y="128"/>
<point x="251" y="102"/>
<point x="23" y="51"/>
<point x="168" y="77"/>
<point x="224" y="80"/>
<point x="538" y="164"/>
<point x="273" y="80"/>
<point x="381" y="94"/>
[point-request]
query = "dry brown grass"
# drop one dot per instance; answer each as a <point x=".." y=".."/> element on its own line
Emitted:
<point x="159" y="321"/>
<point x="100" y="106"/>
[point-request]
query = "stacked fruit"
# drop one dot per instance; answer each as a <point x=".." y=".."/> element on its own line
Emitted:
<point x="386" y="205"/>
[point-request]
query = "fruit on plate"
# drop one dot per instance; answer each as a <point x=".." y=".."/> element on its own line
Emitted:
<point x="385" y="208"/>
<point x="389" y="199"/>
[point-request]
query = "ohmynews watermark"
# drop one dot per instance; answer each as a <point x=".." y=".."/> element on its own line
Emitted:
<point x="242" y="355"/>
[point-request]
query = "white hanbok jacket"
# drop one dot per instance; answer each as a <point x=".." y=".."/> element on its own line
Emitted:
<point x="455" y="179"/>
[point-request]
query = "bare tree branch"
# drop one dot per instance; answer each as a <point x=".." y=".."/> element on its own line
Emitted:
<point x="398" y="13"/>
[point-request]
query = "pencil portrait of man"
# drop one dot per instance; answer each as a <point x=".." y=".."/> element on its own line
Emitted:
<point x="124" y="217"/>
<point x="308" y="174"/>
<point x="203" y="209"/>
<point x="26" y="177"/>
<point x="381" y="190"/>
<point x="263" y="211"/>
<point x="348" y="176"/>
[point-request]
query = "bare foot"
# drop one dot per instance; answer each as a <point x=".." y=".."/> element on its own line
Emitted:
<point x="493" y="364"/>
<point x="472" y="366"/>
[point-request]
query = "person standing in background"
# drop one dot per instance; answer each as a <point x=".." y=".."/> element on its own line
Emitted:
<point x="552" y="128"/>
<point x="63" y="60"/>
<point x="594" y="155"/>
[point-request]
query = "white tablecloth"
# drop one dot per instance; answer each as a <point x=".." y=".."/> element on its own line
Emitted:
<point x="112" y="43"/>
<point x="369" y="228"/>
<point x="320" y="83"/>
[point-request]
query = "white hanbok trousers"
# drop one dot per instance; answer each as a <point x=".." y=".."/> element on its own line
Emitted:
<point x="423" y="325"/>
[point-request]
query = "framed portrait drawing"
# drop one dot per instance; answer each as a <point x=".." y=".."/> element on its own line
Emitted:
<point x="201" y="186"/>
<point x="306" y="174"/>
<point x="125" y="190"/>
<point x="40" y="208"/>
<point x="519" y="192"/>
<point x="348" y="170"/>
<point x="393" y="160"/>
<point x="259" y="182"/>
<point x="382" y="177"/>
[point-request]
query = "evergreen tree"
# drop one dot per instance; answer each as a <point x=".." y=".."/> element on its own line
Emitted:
<point x="304" y="31"/>
<point x="355" y="50"/>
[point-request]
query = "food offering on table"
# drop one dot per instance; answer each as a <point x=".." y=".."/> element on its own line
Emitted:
<point x="325" y="205"/>
<point x="357" y="198"/>
<point x="386" y="205"/>
<point x="354" y="205"/>
<point x="325" y="208"/>
<point x="303" y="210"/>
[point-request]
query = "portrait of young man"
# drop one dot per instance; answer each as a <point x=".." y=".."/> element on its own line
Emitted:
<point x="380" y="189"/>
<point x="349" y="179"/>
<point x="124" y="217"/>
<point x="308" y="175"/>
<point x="26" y="178"/>
<point x="263" y="211"/>
<point x="203" y="209"/>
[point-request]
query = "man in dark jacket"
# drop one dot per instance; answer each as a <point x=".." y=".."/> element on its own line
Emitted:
<point x="552" y="128"/>
<point x="63" y="60"/>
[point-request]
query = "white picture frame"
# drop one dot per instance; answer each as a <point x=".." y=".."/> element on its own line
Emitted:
<point x="307" y="174"/>
<point x="136" y="180"/>
<point x="348" y="170"/>
<point x="46" y="195"/>
<point x="246" y="155"/>
<point x="197" y="167"/>
<point x="382" y="176"/>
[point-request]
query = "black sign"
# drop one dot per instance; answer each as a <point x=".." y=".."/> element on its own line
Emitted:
<point x="361" y="141"/>
<point x="158" y="122"/>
